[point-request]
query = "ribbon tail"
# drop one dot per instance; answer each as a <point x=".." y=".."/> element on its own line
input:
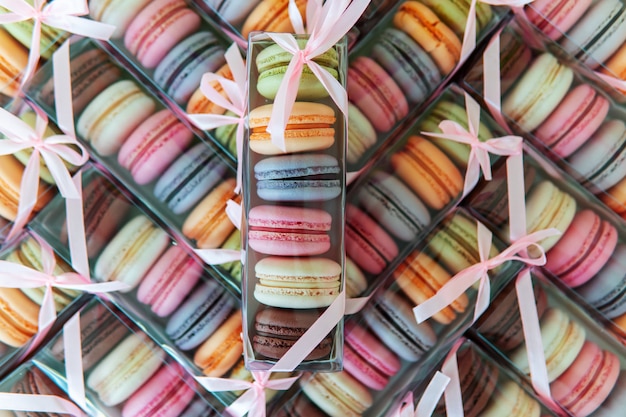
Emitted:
<point x="433" y="392"/>
<point x="219" y="256"/>
<point x="74" y="361"/>
<point x="469" y="37"/>
<point x="452" y="394"/>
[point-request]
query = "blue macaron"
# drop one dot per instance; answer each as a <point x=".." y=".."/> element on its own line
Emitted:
<point x="298" y="177"/>
<point x="410" y="66"/>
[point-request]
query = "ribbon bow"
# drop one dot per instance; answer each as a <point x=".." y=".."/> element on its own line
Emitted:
<point x="237" y="101"/>
<point x="253" y="400"/>
<point x="331" y="22"/>
<point x="462" y="281"/>
<point x="479" y="153"/>
<point x="14" y="275"/>
<point x="61" y="14"/>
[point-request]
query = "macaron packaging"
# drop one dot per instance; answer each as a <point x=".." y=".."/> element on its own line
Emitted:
<point x="293" y="204"/>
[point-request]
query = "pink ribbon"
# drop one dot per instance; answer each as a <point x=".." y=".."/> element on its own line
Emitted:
<point x="479" y="153"/>
<point x="39" y="403"/>
<point x="253" y="400"/>
<point x="237" y="102"/>
<point x="452" y="396"/>
<point x="427" y="403"/>
<point x="614" y="82"/>
<point x="220" y="256"/>
<point x="330" y="23"/>
<point x="462" y="281"/>
<point x="60" y="14"/>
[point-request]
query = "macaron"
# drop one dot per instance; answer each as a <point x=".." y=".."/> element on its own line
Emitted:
<point x="393" y="205"/>
<point x="583" y="250"/>
<point x="226" y="135"/>
<point x="547" y="207"/>
<point x="13" y="60"/>
<point x="555" y="18"/>
<point x="448" y="110"/>
<point x="478" y="381"/>
<point x="167" y="393"/>
<point x="298" y="177"/>
<point x="361" y="135"/>
<point x="578" y="116"/>
<point x="588" y="381"/>
<point x="180" y="71"/>
<point x="615" y="198"/>
<point x="355" y="282"/>
<point x="153" y="146"/>
<point x="169" y="281"/>
<point x="232" y="12"/>
<point x="338" y="394"/>
<point x="366" y="243"/>
<point x="616" y="401"/>
<point x="607" y="290"/>
<point x="158" y="28"/>
<point x="428" y="172"/>
<point x="221" y="351"/>
<point x="289" y="230"/>
<point x="309" y="128"/>
<point x="50" y="38"/>
<point x="272" y="63"/>
<point x="367" y="359"/>
<point x="615" y="66"/>
<point x="118" y="13"/>
<point x="277" y="329"/>
<point x="455" y="244"/>
<point x="91" y="72"/>
<point x="207" y="307"/>
<point x="208" y="223"/>
<point x="376" y="94"/>
<point x="11" y="172"/>
<point x="291" y="282"/>
<point x="271" y="16"/>
<point x="391" y="318"/>
<point x="598" y="33"/>
<point x="598" y="164"/>
<point x="199" y="103"/>
<point x="125" y="369"/>
<point x="562" y="340"/>
<point x="132" y="252"/>
<point x="300" y="406"/>
<point x="113" y="115"/>
<point x="188" y="179"/>
<point x="233" y="269"/>
<point x="431" y="33"/>
<point x="420" y="277"/>
<point x="411" y="67"/>
<point x="19" y="317"/>
<point x="538" y="92"/>
<point x="454" y="14"/>
<point x="510" y="400"/>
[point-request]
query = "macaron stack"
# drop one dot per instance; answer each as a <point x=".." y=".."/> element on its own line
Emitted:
<point x="293" y="207"/>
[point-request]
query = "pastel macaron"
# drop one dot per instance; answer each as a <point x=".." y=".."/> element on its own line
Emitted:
<point x="376" y="94"/>
<point x="153" y="146"/>
<point x="231" y="12"/>
<point x="478" y="381"/>
<point x="19" y="317"/>
<point x="338" y="394"/>
<point x="391" y="318"/>
<point x="367" y="244"/>
<point x="206" y="308"/>
<point x="583" y="250"/>
<point x="125" y="369"/>
<point x="538" y="92"/>
<point x="272" y="63"/>
<point x="169" y="281"/>
<point x="50" y="38"/>
<point x="110" y="118"/>
<point x="393" y="205"/>
<point x="271" y="16"/>
<point x="509" y="399"/>
<point x="588" y="382"/>
<point x="555" y="18"/>
<point x="131" y="252"/>
<point x="190" y="178"/>
<point x="116" y="12"/>
<point x="578" y="116"/>
<point x="221" y="351"/>
<point x="296" y="282"/>
<point x="208" y="223"/>
<point x="454" y="13"/>
<point x="167" y="393"/>
<point x="180" y="71"/>
<point x="420" y="277"/>
<point x="277" y="329"/>
<point x="361" y="135"/>
<point x="11" y="172"/>
<point x="428" y="171"/>
<point x="13" y="60"/>
<point x="298" y="177"/>
<point x="158" y="28"/>
<point x="431" y="33"/>
<point x="309" y="128"/>
<point x="289" y="230"/>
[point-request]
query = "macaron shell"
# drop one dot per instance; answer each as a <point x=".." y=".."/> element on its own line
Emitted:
<point x="222" y="349"/>
<point x="338" y="394"/>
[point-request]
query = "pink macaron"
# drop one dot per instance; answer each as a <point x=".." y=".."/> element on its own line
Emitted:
<point x="158" y="28"/>
<point x="376" y="94"/>
<point x="585" y="247"/>
<point x="169" y="281"/>
<point x="153" y="146"/>
<point x="573" y="122"/>
<point x="556" y="17"/>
